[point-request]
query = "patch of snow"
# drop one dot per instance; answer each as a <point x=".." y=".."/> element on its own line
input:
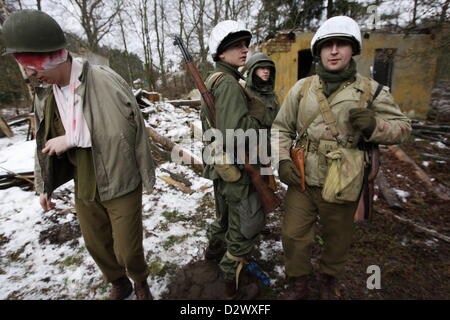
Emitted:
<point x="439" y="144"/>
<point x="402" y="194"/>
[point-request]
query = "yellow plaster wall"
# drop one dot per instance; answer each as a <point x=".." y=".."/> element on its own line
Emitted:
<point x="412" y="76"/>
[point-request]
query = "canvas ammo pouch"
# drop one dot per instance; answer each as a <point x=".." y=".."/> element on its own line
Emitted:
<point x="345" y="175"/>
<point x="222" y="162"/>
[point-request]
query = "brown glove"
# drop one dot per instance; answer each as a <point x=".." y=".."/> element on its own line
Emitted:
<point x="363" y="119"/>
<point x="289" y="173"/>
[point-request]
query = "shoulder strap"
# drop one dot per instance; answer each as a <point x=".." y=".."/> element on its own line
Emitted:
<point x="213" y="81"/>
<point x="303" y="93"/>
<point x="375" y="95"/>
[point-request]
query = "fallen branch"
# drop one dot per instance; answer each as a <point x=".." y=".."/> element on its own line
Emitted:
<point x="184" y="155"/>
<point x="196" y="104"/>
<point x="429" y="231"/>
<point x="435" y="157"/>
<point x="19" y="176"/>
<point x="422" y="136"/>
<point x="178" y="177"/>
<point x="401" y="155"/>
<point x="431" y="127"/>
<point x="177" y="184"/>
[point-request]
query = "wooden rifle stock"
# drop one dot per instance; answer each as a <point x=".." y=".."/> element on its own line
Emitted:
<point x="268" y="198"/>
<point x="206" y="94"/>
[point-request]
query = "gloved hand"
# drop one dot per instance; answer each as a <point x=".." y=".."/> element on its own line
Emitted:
<point x="363" y="119"/>
<point x="289" y="174"/>
<point x="257" y="110"/>
<point x="56" y="146"/>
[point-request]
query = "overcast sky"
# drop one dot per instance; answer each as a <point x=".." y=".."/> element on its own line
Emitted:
<point x="65" y="13"/>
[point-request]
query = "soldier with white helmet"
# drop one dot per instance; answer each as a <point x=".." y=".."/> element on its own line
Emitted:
<point x="239" y="215"/>
<point x="327" y="115"/>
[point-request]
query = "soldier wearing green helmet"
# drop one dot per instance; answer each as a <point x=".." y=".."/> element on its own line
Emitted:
<point x="90" y="129"/>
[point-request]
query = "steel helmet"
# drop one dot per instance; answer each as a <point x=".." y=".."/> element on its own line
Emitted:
<point x="338" y="27"/>
<point x="227" y="30"/>
<point x="32" y="31"/>
<point x="261" y="58"/>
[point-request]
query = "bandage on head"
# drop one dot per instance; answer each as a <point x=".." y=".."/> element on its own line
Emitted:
<point x="41" y="61"/>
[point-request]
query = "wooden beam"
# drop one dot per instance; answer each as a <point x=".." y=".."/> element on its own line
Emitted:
<point x="401" y="155"/>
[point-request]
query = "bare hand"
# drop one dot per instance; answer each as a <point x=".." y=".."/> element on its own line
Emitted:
<point x="46" y="202"/>
<point x="56" y="146"/>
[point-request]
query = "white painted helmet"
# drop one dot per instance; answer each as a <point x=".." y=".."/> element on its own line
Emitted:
<point x="338" y="27"/>
<point x="228" y="29"/>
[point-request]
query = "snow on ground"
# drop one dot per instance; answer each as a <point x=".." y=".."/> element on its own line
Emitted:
<point x="174" y="225"/>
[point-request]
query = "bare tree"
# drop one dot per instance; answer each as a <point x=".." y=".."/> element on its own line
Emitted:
<point x="96" y="18"/>
<point x="124" y="40"/>
<point x="160" y="20"/>
<point x="141" y="26"/>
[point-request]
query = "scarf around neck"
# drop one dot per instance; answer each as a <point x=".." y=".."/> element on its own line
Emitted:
<point x="332" y="80"/>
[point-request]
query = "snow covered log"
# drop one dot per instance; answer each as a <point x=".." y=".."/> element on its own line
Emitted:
<point x="184" y="155"/>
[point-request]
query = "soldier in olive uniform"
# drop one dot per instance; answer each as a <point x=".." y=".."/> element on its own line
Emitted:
<point x="338" y="85"/>
<point x="90" y="129"/>
<point x="239" y="215"/>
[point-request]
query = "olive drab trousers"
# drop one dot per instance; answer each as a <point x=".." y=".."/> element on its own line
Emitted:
<point x="113" y="234"/>
<point x="237" y="225"/>
<point x="298" y="231"/>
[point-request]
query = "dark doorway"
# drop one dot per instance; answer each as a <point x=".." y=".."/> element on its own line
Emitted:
<point x="305" y="64"/>
<point x="383" y="65"/>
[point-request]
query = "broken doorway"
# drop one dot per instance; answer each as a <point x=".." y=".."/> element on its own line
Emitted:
<point x="383" y="66"/>
<point x="305" y="64"/>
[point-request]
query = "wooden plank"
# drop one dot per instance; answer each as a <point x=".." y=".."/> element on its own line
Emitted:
<point x="5" y="129"/>
<point x="177" y="184"/>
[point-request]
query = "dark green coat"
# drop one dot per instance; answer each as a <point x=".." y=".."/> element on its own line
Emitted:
<point x="231" y="113"/>
<point x="264" y="92"/>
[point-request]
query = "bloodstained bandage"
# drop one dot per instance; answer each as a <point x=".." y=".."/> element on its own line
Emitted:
<point x="41" y="61"/>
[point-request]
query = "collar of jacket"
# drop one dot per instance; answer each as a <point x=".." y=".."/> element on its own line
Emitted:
<point x="222" y="66"/>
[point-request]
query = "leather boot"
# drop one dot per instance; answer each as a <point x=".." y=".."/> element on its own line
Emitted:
<point x="142" y="291"/>
<point x="246" y="292"/>
<point x="328" y="289"/>
<point x="297" y="289"/>
<point x="121" y="288"/>
<point x="215" y="252"/>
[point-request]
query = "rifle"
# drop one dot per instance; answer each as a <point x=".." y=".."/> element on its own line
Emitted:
<point x="268" y="198"/>
<point x="364" y="211"/>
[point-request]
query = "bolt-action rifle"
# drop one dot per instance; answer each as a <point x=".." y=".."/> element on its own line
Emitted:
<point x="364" y="211"/>
<point x="269" y="199"/>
